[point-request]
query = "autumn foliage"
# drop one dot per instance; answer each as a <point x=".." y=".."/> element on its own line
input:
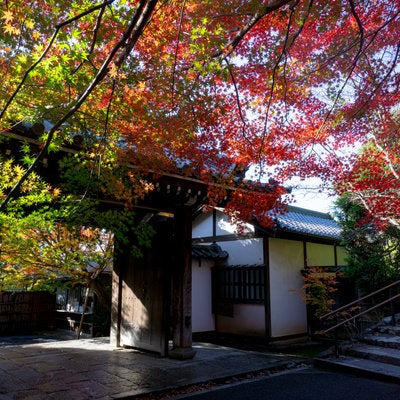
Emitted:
<point x="289" y="87"/>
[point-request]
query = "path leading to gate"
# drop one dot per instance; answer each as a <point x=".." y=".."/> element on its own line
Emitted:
<point x="93" y="369"/>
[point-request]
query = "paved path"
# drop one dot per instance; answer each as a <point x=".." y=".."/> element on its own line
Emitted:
<point x="93" y="369"/>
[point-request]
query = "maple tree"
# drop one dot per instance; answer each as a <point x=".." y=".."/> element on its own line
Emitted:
<point x="373" y="181"/>
<point x="43" y="241"/>
<point x="46" y="235"/>
<point x="318" y="289"/>
<point x="199" y="87"/>
<point x="43" y="253"/>
<point x="373" y="254"/>
<point x="41" y="256"/>
<point x="49" y="239"/>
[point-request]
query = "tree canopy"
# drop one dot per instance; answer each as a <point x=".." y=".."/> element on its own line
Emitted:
<point x="285" y="86"/>
<point x="373" y="255"/>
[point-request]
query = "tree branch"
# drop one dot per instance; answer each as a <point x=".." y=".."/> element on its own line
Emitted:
<point x="46" y="50"/>
<point x="131" y="35"/>
<point x="237" y="98"/>
<point x="178" y="35"/>
<point x="230" y="47"/>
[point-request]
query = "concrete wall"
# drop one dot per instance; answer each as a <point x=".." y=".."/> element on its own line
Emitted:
<point x="288" y="311"/>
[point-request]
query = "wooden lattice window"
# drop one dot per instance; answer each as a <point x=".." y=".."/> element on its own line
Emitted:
<point x="242" y="284"/>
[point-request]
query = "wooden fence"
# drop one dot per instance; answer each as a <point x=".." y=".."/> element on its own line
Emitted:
<point x="25" y="312"/>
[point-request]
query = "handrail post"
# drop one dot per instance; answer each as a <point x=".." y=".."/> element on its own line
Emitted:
<point x="334" y="314"/>
<point x="336" y="338"/>
<point x="392" y="308"/>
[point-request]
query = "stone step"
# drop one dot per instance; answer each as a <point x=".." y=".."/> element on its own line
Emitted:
<point x="389" y="329"/>
<point x="383" y="340"/>
<point x="376" y="353"/>
<point x="360" y="366"/>
<point x="388" y="320"/>
<point x="378" y="356"/>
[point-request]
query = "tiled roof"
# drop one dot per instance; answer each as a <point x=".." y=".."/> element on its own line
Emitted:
<point x="212" y="251"/>
<point x="309" y="223"/>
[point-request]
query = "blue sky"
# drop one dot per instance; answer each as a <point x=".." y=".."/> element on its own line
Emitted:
<point x="311" y="195"/>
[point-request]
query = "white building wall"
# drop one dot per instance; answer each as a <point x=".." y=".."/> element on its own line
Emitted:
<point x="225" y="227"/>
<point x="244" y="252"/>
<point x="288" y="310"/>
<point x="202" y="316"/>
<point x="203" y="226"/>
<point x="248" y="319"/>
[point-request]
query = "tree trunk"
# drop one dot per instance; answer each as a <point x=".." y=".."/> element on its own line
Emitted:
<point x="78" y="333"/>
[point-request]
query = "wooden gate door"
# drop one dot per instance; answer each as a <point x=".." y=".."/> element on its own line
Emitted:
<point x="145" y="300"/>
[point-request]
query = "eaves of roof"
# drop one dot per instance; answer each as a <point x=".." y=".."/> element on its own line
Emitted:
<point x="308" y="223"/>
<point x="212" y="251"/>
<point x="180" y="186"/>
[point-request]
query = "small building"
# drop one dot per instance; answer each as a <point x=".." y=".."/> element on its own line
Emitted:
<point x="70" y="300"/>
<point x="151" y="299"/>
<point x="249" y="281"/>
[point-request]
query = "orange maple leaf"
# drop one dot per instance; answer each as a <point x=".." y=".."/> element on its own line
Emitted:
<point x="12" y="30"/>
<point x="113" y="71"/>
<point x="8" y="16"/>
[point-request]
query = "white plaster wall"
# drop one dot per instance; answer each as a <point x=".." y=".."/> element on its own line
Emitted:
<point x="249" y="319"/>
<point x="244" y="252"/>
<point x="320" y="255"/>
<point x="288" y="310"/>
<point x="225" y="227"/>
<point x="202" y="317"/>
<point x="202" y="226"/>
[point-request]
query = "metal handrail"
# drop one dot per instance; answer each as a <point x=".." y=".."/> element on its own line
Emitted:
<point x="358" y="300"/>
<point x="353" y="303"/>
<point x="361" y="313"/>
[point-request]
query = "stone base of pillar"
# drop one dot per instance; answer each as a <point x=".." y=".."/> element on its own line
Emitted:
<point x="182" y="353"/>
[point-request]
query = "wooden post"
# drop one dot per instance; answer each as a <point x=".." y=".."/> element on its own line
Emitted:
<point x="267" y="289"/>
<point x="116" y="295"/>
<point x="181" y="320"/>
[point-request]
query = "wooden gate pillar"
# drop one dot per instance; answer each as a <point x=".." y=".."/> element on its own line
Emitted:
<point x="181" y="301"/>
<point x="120" y="260"/>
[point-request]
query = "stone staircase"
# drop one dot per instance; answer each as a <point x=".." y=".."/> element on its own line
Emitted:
<point x="376" y="355"/>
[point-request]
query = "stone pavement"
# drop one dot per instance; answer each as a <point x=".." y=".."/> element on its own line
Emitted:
<point x="93" y="369"/>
